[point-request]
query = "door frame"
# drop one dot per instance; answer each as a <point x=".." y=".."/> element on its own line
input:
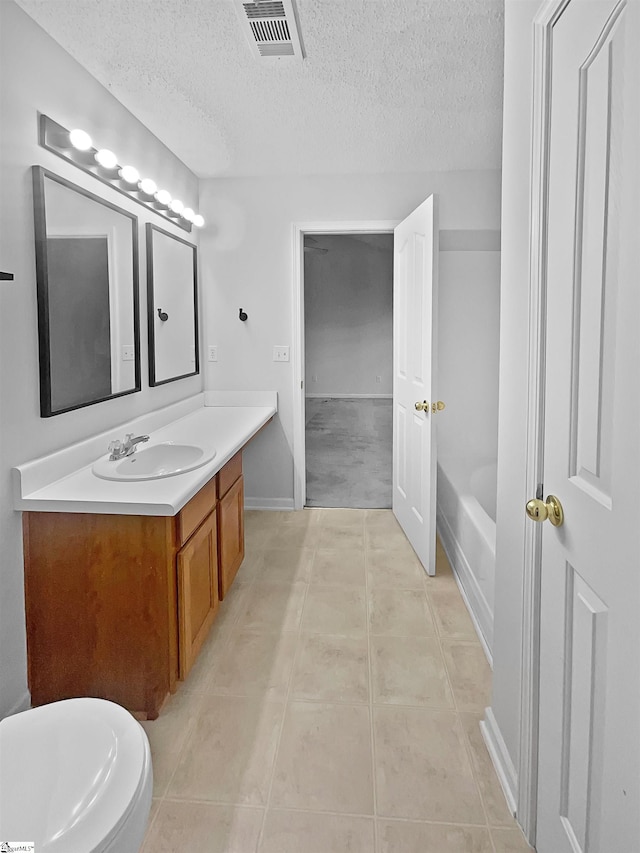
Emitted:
<point x="299" y="230"/>
<point x="527" y="781"/>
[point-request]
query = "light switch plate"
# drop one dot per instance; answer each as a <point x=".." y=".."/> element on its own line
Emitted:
<point x="213" y="353"/>
<point x="128" y="353"/>
<point x="281" y="353"/>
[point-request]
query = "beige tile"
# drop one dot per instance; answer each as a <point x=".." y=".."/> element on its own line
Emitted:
<point x="510" y="841"/>
<point x="339" y="567"/>
<point x="273" y="607"/>
<point x="401" y="612"/>
<point x="204" y="828"/>
<point x="335" y="610"/>
<point x="393" y="569"/>
<point x="410" y="837"/>
<point x="260" y="519"/>
<point x="336" y="518"/>
<point x="229" y="755"/>
<point x="281" y="565"/>
<point x="341" y="538"/>
<point x="495" y="805"/>
<point x="422" y="768"/>
<point x="470" y="674"/>
<point x="293" y="536"/>
<point x="254" y="663"/>
<point x="302" y="518"/>
<point x="409" y="671"/>
<point x="256" y="538"/>
<point x="250" y="568"/>
<point x="450" y="613"/>
<point x="331" y="669"/>
<point x="388" y="539"/>
<point x="382" y="519"/>
<point x="310" y="832"/>
<point x="168" y="735"/>
<point x="324" y="759"/>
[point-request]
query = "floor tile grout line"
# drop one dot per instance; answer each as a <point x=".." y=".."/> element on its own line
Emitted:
<point x="374" y="764"/>
<point x="284" y="714"/>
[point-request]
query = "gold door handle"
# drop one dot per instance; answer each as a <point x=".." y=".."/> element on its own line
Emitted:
<point x="551" y="509"/>
<point x="422" y="407"/>
<point x="437" y="407"/>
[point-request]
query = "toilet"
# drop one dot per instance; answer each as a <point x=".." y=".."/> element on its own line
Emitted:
<point x="75" y="777"/>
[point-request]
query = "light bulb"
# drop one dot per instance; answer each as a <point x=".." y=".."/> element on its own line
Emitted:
<point x="163" y="197"/>
<point x="80" y="139"/>
<point x="188" y="214"/>
<point x="148" y="186"/>
<point x="129" y="174"/>
<point x="176" y="206"/>
<point x="107" y="159"/>
<point x="198" y="220"/>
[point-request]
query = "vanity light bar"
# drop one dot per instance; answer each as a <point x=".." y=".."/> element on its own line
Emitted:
<point x="76" y="146"/>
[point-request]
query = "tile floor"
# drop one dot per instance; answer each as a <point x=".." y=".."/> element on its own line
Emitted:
<point x="334" y="707"/>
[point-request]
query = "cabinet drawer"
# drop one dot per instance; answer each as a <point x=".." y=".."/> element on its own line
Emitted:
<point x="196" y="510"/>
<point x="229" y="474"/>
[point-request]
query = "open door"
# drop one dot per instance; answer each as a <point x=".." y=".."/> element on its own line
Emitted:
<point x="589" y="682"/>
<point x="414" y="379"/>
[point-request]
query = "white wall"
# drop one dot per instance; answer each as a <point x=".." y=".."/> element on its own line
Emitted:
<point x="246" y="255"/>
<point x="37" y="75"/>
<point x="348" y="296"/>
<point x="507" y="646"/>
<point x="468" y="353"/>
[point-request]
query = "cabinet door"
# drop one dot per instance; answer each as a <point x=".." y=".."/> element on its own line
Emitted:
<point x="231" y="534"/>
<point x="198" y="599"/>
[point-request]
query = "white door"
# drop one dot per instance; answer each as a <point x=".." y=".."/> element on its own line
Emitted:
<point x="589" y="758"/>
<point x="414" y="372"/>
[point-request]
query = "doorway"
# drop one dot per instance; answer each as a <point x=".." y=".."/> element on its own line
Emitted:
<point x="348" y="320"/>
<point x="307" y="406"/>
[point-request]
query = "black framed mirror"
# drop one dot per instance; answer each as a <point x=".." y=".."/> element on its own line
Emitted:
<point x="172" y="306"/>
<point x="87" y="287"/>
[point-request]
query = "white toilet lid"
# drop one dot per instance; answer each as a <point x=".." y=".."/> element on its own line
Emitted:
<point x="70" y="773"/>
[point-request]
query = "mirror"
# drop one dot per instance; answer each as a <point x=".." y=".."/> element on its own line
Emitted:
<point x="87" y="285"/>
<point x="172" y="306"/>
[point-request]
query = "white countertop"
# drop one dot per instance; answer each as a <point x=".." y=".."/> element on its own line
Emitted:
<point x="227" y="428"/>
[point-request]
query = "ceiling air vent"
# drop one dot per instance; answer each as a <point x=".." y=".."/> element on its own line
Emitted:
<point x="271" y="28"/>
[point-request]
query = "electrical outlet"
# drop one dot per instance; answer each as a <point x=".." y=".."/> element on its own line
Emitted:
<point x="378" y="379"/>
<point x="281" y="353"/>
<point x="213" y="353"/>
<point x="128" y="353"/>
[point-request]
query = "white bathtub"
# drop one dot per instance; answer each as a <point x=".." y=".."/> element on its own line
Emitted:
<point x="467" y="529"/>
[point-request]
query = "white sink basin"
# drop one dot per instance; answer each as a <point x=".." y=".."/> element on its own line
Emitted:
<point x="152" y="463"/>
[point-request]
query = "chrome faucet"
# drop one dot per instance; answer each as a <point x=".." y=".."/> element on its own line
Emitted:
<point x="119" y="449"/>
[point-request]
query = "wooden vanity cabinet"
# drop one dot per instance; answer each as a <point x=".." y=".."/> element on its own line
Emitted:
<point x="230" y="523"/>
<point x="118" y="606"/>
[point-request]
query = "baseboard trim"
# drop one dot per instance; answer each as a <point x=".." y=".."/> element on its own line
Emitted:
<point x="472" y="595"/>
<point x="349" y="396"/>
<point x="501" y="759"/>
<point x="23" y="704"/>
<point x="268" y="503"/>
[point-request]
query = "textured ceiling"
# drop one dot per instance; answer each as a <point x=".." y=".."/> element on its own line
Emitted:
<point x="386" y="85"/>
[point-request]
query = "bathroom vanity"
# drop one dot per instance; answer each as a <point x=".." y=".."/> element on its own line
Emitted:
<point x="120" y="591"/>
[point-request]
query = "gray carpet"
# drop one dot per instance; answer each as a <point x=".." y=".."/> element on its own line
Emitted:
<point x="348" y="450"/>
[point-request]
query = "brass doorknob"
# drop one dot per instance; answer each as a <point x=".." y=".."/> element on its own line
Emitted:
<point x="422" y="407"/>
<point x="437" y="407"/>
<point x="551" y="509"/>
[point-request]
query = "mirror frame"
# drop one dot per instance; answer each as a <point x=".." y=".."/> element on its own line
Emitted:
<point x="153" y="382"/>
<point x="42" y="289"/>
